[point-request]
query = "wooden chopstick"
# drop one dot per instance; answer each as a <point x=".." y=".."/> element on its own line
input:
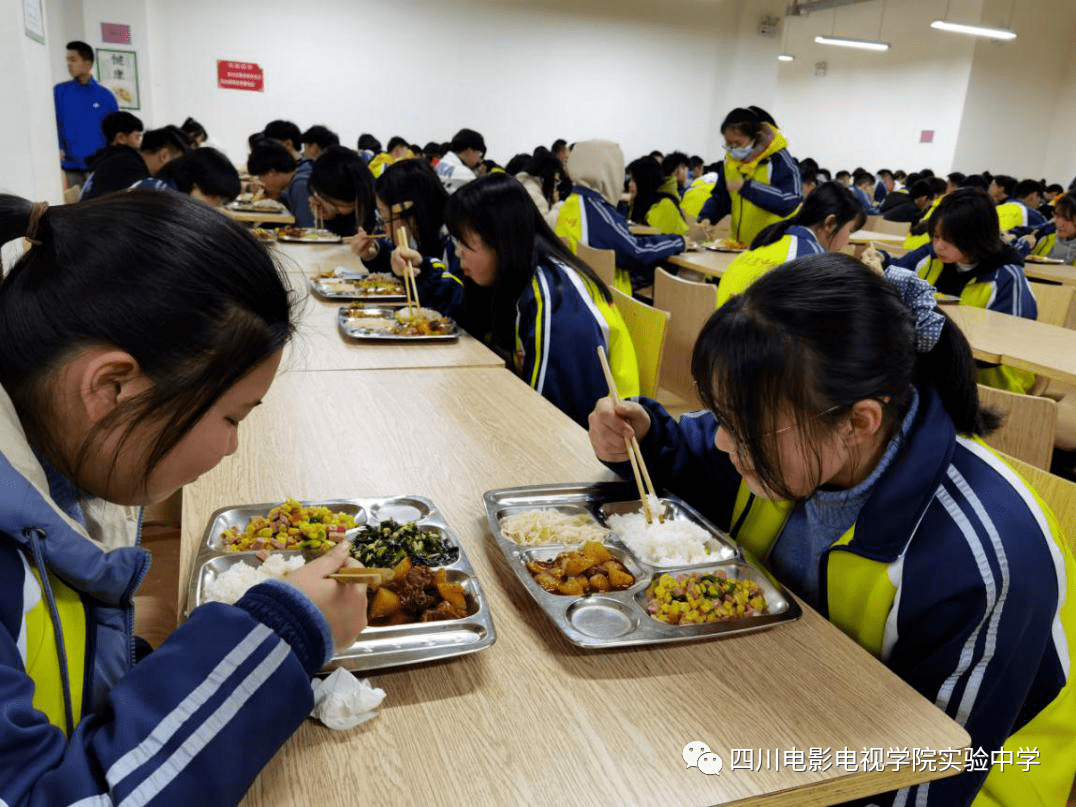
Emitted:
<point x="410" y="288"/>
<point x="635" y="454"/>
<point x="358" y="574"/>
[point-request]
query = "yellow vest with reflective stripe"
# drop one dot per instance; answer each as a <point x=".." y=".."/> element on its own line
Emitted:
<point x="42" y="658"/>
<point x="1045" y="246"/>
<point x="750" y="266"/>
<point x="1011" y="214"/>
<point x="666" y="217"/>
<point x="695" y="197"/>
<point x="748" y="219"/>
<point x="978" y="294"/>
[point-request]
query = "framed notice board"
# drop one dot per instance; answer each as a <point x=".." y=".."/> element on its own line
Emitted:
<point x="118" y="70"/>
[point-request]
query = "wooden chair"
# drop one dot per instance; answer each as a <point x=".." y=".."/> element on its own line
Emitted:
<point x="1029" y="427"/>
<point x="1055" y="304"/>
<point x="602" y="261"/>
<point x="1058" y="493"/>
<point x="647" y="326"/>
<point x="689" y="304"/>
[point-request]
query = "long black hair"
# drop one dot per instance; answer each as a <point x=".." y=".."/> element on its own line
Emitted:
<point x="828" y="199"/>
<point x="190" y="294"/>
<point x="813" y="337"/>
<point x="648" y="176"/>
<point x="414" y="187"/>
<point x="207" y="168"/>
<point x="340" y="173"/>
<point x="967" y="218"/>
<point x="498" y="209"/>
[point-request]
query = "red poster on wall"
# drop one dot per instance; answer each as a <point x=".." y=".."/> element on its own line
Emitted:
<point x="239" y="76"/>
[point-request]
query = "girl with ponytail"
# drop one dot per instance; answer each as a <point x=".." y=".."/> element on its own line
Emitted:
<point x="842" y="448"/>
<point x="135" y="334"/>
<point x="825" y="220"/>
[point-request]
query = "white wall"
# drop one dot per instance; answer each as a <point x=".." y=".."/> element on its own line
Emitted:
<point x="871" y="107"/>
<point x="134" y="14"/>
<point x="522" y="73"/>
<point x="1060" y="158"/>
<point x="29" y="152"/>
<point x="1014" y="90"/>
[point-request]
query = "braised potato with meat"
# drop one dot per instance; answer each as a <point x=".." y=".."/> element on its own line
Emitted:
<point x="588" y="570"/>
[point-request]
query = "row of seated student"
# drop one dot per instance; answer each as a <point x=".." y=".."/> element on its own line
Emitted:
<point x="841" y="449"/>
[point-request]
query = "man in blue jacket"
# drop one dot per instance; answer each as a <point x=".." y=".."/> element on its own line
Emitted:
<point x="81" y="104"/>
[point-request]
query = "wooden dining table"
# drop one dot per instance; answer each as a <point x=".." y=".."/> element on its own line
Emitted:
<point x="534" y="719"/>
<point x="708" y="262"/>
<point x="866" y="236"/>
<point x="1060" y="273"/>
<point x="1047" y="350"/>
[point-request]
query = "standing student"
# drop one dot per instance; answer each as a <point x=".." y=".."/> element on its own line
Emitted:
<point x="283" y="178"/>
<point x="842" y="448"/>
<point x="342" y="192"/>
<point x="119" y="167"/>
<point x="81" y="104"/>
<point x="548" y="312"/>
<point x="967" y="258"/>
<point x="457" y="167"/>
<point x="410" y="196"/>
<point x="589" y="215"/>
<point x="203" y="174"/>
<point x="759" y="183"/>
<point x="825" y="220"/>
<point x="123" y="377"/>
<point x="653" y="198"/>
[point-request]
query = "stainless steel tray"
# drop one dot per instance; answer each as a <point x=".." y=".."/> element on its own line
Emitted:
<point x="336" y="288"/>
<point x="620" y="618"/>
<point x="354" y="331"/>
<point x="377" y="647"/>
<point x="310" y="235"/>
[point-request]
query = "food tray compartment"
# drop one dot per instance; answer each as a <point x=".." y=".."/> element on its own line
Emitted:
<point x="239" y="516"/>
<point x="342" y="287"/>
<point x="720" y="545"/>
<point x="351" y="326"/>
<point x="620" y="618"/>
<point x="378" y="646"/>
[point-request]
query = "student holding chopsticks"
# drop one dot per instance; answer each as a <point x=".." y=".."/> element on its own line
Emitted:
<point x="547" y="309"/>
<point x="409" y="195"/>
<point x="342" y="192"/>
<point x="841" y="448"/>
<point x="135" y="335"/>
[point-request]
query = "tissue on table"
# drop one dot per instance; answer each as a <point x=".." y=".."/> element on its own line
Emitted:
<point x="342" y="701"/>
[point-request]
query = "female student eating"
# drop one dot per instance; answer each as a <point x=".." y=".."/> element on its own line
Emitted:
<point x="342" y="192"/>
<point x="548" y="310"/>
<point x="135" y="335"/>
<point x="652" y="201"/>
<point x="829" y="214"/>
<point x="967" y="258"/>
<point x="759" y="181"/>
<point x="409" y="195"/>
<point x="589" y="215"/>
<point x="841" y="448"/>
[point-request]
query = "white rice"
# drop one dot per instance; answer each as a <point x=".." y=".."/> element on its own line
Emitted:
<point x="676" y="542"/>
<point x="231" y="584"/>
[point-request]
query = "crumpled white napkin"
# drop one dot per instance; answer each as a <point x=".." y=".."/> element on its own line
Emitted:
<point x="342" y="701"/>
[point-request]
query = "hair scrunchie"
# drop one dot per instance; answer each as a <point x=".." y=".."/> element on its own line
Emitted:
<point x="918" y="295"/>
<point x="37" y="212"/>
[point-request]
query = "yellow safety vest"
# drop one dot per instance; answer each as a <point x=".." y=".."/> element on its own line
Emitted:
<point x="748" y="219"/>
<point x="751" y="265"/>
<point x="570" y="229"/>
<point x="42" y="656"/>
<point x="695" y="197"/>
<point x="913" y="242"/>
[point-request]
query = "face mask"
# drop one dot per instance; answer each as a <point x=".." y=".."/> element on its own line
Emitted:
<point x="741" y="153"/>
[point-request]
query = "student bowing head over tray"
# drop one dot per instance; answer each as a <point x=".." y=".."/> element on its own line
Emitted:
<point x="841" y="447"/>
<point x="411" y="198"/>
<point x="589" y="215"/>
<point x="967" y="258"/>
<point x="136" y="334"/>
<point x="342" y="194"/>
<point x="203" y="174"/>
<point x="759" y="181"/>
<point x="547" y="309"/>
<point x="828" y="216"/>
